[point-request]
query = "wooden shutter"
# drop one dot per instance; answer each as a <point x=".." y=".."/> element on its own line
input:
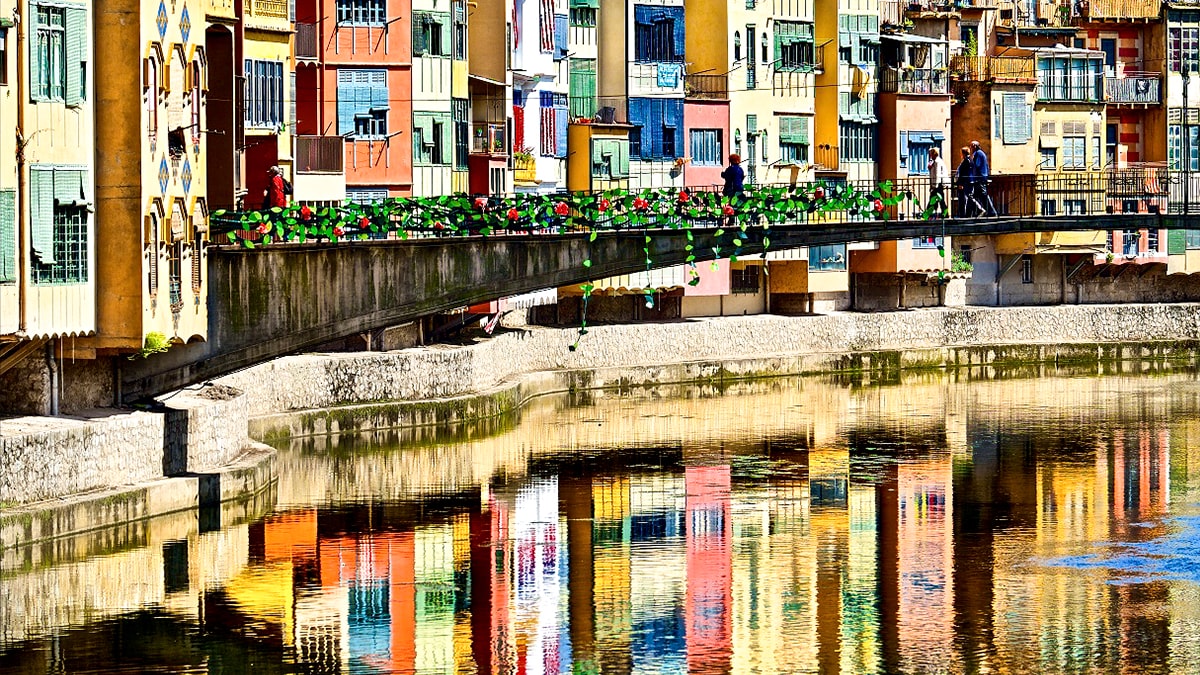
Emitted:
<point x="8" y="235"/>
<point x="41" y="213"/>
<point x="76" y="36"/>
<point x="1017" y="119"/>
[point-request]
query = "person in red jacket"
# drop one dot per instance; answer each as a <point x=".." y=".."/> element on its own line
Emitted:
<point x="274" y="195"/>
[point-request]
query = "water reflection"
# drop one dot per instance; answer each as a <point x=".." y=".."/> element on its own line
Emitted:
<point x="939" y="524"/>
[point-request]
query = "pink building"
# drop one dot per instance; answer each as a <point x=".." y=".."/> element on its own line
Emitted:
<point x="706" y="133"/>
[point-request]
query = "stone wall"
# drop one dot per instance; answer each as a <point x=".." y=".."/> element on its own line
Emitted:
<point x="314" y="381"/>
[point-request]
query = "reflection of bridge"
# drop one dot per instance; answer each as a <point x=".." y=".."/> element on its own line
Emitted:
<point x="281" y="298"/>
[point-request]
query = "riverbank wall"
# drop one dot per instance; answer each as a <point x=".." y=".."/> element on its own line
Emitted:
<point x="60" y="475"/>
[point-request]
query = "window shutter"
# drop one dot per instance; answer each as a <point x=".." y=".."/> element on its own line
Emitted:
<point x="8" y="235"/>
<point x="560" y="128"/>
<point x="346" y="102"/>
<point x="378" y="90"/>
<point x="77" y="57"/>
<point x="1176" y="242"/>
<point x="41" y="213"/>
<point x="903" y="144"/>
<point x="560" y="37"/>
<point x="35" y="63"/>
<point x="68" y="186"/>
<point x="1017" y="124"/>
<point x="447" y="40"/>
<point x="447" y="138"/>
<point x="418" y="40"/>
<point x="620" y="160"/>
<point x="680" y="43"/>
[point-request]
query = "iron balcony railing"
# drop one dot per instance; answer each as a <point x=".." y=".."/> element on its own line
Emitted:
<point x="1134" y="88"/>
<point x="306" y="41"/>
<point x="704" y="86"/>
<point x="320" y="154"/>
<point x="913" y="80"/>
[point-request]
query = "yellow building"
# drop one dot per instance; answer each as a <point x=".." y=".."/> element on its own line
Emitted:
<point x="151" y="208"/>
<point x="267" y="71"/>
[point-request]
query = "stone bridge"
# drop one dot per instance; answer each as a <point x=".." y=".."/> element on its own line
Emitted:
<point x="274" y="300"/>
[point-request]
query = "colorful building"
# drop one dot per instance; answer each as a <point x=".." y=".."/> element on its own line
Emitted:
<point x="490" y="87"/>
<point x="540" y="104"/>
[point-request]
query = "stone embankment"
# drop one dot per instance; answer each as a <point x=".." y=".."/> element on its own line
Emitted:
<point x="196" y="447"/>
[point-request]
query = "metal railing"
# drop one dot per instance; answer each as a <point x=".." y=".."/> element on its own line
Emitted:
<point x="1133" y="88"/>
<point x="994" y="68"/>
<point x="307" y="44"/>
<point x="891" y="12"/>
<point x="913" y="80"/>
<point x="524" y="169"/>
<point x="705" y="86"/>
<point x="271" y="9"/>
<point x="320" y="154"/>
<point x="1122" y="9"/>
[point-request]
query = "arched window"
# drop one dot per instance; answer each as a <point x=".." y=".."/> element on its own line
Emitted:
<point x="766" y="54"/>
<point x="151" y="92"/>
<point x="737" y="46"/>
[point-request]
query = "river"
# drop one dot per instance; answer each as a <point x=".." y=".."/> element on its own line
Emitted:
<point x="1039" y="521"/>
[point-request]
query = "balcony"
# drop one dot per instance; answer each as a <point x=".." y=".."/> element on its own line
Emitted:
<point x="1133" y="89"/>
<point x="525" y="170"/>
<point x="319" y="169"/>
<point x="488" y="139"/>
<point x="706" y="87"/>
<point x="913" y="80"/>
<point x="825" y="157"/>
<point x="1122" y="10"/>
<point x="307" y="43"/>
<point x="655" y="79"/>
<point x="266" y="9"/>
<point x="1011" y="69"/>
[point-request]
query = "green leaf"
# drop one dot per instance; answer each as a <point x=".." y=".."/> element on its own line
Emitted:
<point x="593" y="236"/>
<point x="587" y="263"/>
<point x="766" y="242"/>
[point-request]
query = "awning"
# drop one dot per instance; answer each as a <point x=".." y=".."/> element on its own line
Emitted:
<point x="1049" y="141"/>
<point x="912" y="39"/>
<point x="486" y="80"/>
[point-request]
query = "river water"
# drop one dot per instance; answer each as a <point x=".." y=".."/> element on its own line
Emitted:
<point x="1034" y="522"/>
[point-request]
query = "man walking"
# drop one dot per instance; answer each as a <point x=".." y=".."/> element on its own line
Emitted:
<point x="979" y="174"/>
<point x="939" y="177"/>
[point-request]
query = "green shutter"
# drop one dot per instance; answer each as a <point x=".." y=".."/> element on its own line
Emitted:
<point x="68" y="186"/>
<point x="8" y="235"/>
<point x="77" y="58"/>
<point x="35" y="61"/>
<point x="423" y="124"/>
<point x="793" y="129"/>
<point x="583" y="87"/>
<point x="1176" y="242"/>
<point x="41" y="213"/>
<point x="621" y="159"/>
<point x="594" y="4"/>
<point x="447" y="38"/>
<point x="447" y="138"/>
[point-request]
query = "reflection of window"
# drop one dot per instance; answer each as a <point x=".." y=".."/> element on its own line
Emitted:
<point x="706" y="147"/>
<point x="744" y="279"/>
<point x="362" y="12"/>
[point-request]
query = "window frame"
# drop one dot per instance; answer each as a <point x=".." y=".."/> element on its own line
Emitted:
<point x="361" y="12"/>
<point x="264" y="104"/>
<point x="44" y="87"/>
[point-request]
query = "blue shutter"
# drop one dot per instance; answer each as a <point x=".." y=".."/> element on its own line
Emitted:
<point x="903" y="145"/>
<point x="347" y="95"/>
<point x="560" y="37"/>
<point x="560" y="127"/>
<point x="680" y="43"/>
<point x="639" y="113"/>
<point x="673" y="119"/>
<point x="378" y="90"/>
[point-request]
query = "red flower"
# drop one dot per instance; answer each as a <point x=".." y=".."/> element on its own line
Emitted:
<point x="641" y="204"/>
<point x="437" y="225"/>
<point x="878" y="205"/>
<point x="819" y="193"/>
<point x="364" y="222"/>
<point x="338" y="231"/>
<point x="683" y="196"/>
<point x="480" y="203"/>
<point x="728" y="210"/>
<point x="305" y="212"/>
<point x="263" y="228"/>
<point x="561" y="209"/>
<point x="512" y="214"/>
<point x="604" y="204"/>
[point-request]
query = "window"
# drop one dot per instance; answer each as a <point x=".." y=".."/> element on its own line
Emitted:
<point x="1026" y="270"/>
<point x="1178" y="147"/>
<point x="1049" y="207"/>
<point x="915" y="147"/>
<point x="658" y="34"/>
<point x="610" y="158"/>
<point x="362" y="12"/>
<point x="744" y="280"/>
<point x="59" y="225"/>
<point x="583" y="16"/>
<point x="1130" y="242"/>
<point x="1192" y="239"/>
<point x="462" y="132"/>
<point x="582" y="87"/>
<point x="59" y="54"/>
<point x="830" y="258"/>
<point x="431" y="34"/>
<point x="553" y="123"/>
<point x="366" y="196"/>
<point x="8" y="236"/>
<point x="751" y="67"/>
<point x="793" y="139"/>
<point x="927" y="242"/>
<point x="264" y="93"/>
<point x="737" y="46"/>
<point x="1183" y="47"/>
<point x="546" y="25"/>
<point x="362" y="103"/>
<point x="706" y="147"/>
<point x="654" y="120"/>
<point x="151" y="89"/>
<point x="1096" y="161"/>
<point x="1062" y="78"/>
<point x="1049" y="159"/>
<point x="794" y="46"/>
<point x="1074" y="152"/>
<point x="856" y="142"/>
<point x="3" y="56"/>
<point x="1017" y="124"/>
<point x="460" y="30"/>
<point x="1075" y="207"/>
<point x="431" y="138"/>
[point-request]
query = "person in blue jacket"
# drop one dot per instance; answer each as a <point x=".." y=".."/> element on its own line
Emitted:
<point x="735" y="177"/>
<point x="979" y="175"/>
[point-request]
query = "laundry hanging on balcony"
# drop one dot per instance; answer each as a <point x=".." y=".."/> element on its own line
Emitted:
<point x="669" y="74"/>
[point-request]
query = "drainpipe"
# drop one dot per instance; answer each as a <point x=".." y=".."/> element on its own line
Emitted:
<point x="53" y="367"/>
<point x="22" y="204"/>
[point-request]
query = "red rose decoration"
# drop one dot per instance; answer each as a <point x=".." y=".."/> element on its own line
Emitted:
<point x="683" y="196"/>
<point x="305" y="212"/>
<point x="263" y="228"/>
<point x="437" y="225"/>
<point x="561" y="209"/>
<point x="878" y="205"/>
<point x="819" y="193"/>
<point x="641" y="204"/>
<point x="338" y="231"/>
<point x="604" y="204"/>
<point x="728" y="210"/>
<point x="512" y="214"/>
<point x="364" y="222"/>
<point x="480" y="203"/>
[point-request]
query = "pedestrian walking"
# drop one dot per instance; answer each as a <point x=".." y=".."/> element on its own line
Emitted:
<point x="967" y="208"/>
<point x="979" y="174"/>
<point x="939" y="178"/>
<point x="276" y="193"/>
<point x="735" y="177"/>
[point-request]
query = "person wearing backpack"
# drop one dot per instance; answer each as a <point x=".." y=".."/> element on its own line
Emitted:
<point x="277" y="190"/>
